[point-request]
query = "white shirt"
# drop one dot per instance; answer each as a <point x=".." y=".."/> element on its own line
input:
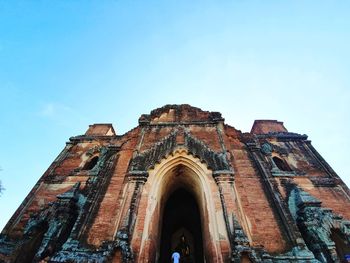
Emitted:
<point x="176" y="257"/>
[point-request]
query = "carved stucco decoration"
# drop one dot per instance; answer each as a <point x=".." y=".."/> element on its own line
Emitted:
<point x="146" y="160"/>
<point x="94" y="150"/>
<point x="259" y="254"/>
<point x="73" y="251"/>
<point x="316" y="224"/>
<point x="46" y="231"/>
<point x="268" y="148"/>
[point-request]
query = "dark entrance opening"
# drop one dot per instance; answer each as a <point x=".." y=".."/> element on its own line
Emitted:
<point x="181" y="228"/>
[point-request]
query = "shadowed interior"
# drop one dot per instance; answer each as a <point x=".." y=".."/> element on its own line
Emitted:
<point x="181" y="214"/>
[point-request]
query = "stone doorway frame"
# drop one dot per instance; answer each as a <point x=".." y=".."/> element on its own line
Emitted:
<point x="162" y="181"/>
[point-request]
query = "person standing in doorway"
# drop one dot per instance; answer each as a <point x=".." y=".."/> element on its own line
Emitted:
<point x="175" y="257"/>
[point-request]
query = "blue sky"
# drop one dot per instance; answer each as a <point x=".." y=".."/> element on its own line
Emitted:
<point x="67" y="64"/>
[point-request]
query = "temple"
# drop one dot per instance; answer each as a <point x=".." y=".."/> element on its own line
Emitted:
<point x="184" y="181"/>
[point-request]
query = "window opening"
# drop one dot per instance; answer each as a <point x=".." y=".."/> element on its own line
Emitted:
<point x="91" y="164"/>
<point x="281" y="164"/>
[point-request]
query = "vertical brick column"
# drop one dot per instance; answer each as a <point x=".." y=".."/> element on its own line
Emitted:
<point x="130" y="208"/>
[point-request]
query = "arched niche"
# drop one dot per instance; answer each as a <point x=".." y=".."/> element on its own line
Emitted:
<point x="91" y="163"/>
<point x="281" y="164"/>
<point x="181" y="170"/>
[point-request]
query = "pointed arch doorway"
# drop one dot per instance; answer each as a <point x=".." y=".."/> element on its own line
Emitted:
<point x="181" y="229"/>
<point x="186" y="177"/>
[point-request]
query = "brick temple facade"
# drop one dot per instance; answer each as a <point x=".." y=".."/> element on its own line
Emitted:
<point x="183" y="180"/>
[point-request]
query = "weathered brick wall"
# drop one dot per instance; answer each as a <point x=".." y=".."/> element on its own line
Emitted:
<point x="266" y="126"/>
<point x="256" y="207"/>
<point x="56" y="180"/>
<point x="153" y="135"/>
<point x="75" y="158"/>
<point x="313" y="177"/>
<point x="333" y="197"/>
<point x="299" y="158"/>
<point x="208" y="135"/>
<point x="105" y="225"/>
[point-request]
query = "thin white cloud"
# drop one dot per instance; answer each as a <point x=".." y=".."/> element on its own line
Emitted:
<point x="48" y="110"/>
<point x="60" y="114"/>
<point x="53" y="110"/>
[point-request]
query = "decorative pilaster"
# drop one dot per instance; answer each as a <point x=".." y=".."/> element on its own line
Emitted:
<point x="238" y="240"/>
<point x="126" y="229"/>
<point x="225" y="181"/>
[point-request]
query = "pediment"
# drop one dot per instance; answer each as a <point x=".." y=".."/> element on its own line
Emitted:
<point x="215" y="161"/>
<point x="184" y="113"/>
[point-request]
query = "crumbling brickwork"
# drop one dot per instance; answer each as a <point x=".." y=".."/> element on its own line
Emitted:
<point x="262" y="196"/>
